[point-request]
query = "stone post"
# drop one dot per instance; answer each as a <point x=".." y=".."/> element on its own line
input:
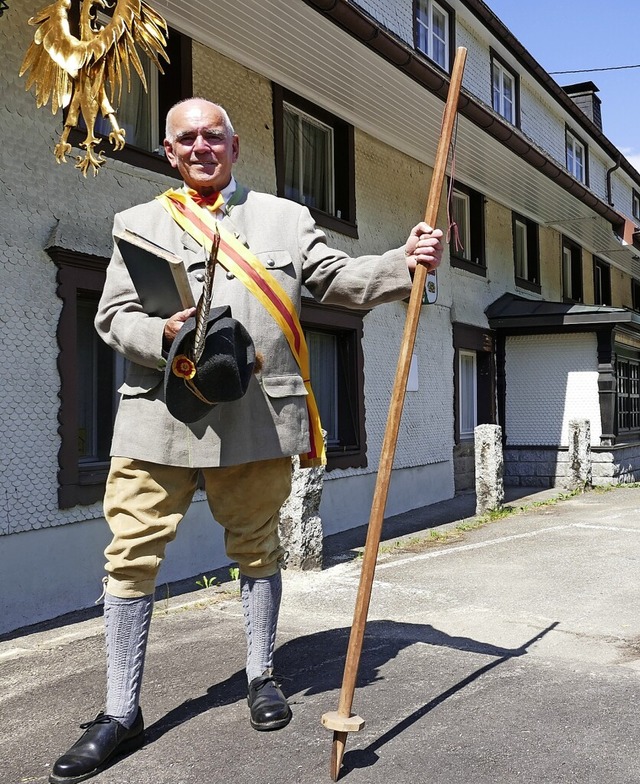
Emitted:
<point x="300" y="523"/>
<point x="579" y="472"/>
<point x="489" y="468"/>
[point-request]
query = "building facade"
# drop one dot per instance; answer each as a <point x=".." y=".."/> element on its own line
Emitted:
<point x="337" y="105"/>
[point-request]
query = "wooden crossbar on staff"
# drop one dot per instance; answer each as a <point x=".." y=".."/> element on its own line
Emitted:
<point x="343" y="721"/>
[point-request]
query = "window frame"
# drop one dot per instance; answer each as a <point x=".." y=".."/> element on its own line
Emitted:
<point x="79" y="482"/>
<point x="464" y="353"/>
<point x="601" y="282"/>
<point x="343" y="160"/>
<point x="481" y="342"/>
<point x="175" y="84"/>
<point x="330" y="150"/>
<point x="627" y="396"/>
<point x="498" y="64"/>
<point x="635" y="204"/>
<point x="532" y="244"/>
<point x="635" y="295"/>
<point x="348" y="325"/>
<point x="476" y="231"/>
<point x="575" y="284"/>
<point x="571" y="141"/>
<point x="448" y="12"/>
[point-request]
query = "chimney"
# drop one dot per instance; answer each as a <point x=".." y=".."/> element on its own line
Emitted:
<point x="584" y="96"/>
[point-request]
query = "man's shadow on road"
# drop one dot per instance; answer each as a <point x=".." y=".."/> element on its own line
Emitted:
<point x="314" y="664"/>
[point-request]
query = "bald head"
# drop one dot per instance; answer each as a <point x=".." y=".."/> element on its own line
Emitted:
<point x="178" y="108"/>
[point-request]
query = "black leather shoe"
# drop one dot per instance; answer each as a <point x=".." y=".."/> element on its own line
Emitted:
<point x="103" y="739"/>
<point x="267" y="704"/>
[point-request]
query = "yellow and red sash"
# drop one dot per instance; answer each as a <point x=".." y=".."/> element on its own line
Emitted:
<point x="238" y="259"/>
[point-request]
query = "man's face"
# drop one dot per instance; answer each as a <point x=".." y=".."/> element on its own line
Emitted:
<point x="202" y="150"/>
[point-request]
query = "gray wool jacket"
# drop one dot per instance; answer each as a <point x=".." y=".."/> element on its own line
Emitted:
<point x="271" y="419"/>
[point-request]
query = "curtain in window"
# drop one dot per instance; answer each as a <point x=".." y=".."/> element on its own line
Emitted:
<point x="323" y="357"/>
<point x="134" y="113"/>
<point x="87" y="350"/>
<point x="521" y="250"/>
<point x="460" y="215"/>
<point x="468" y="396"/>
<point x="308" y="161"/>
<point x="315" y="167"/>
<point x="439" y="38"/>
<point x="291" y="157"/>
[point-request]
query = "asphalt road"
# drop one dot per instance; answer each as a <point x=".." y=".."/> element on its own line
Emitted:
<point x="504" y="654"/>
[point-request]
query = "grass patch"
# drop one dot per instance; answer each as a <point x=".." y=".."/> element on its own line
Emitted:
<point x="437" y="537"/>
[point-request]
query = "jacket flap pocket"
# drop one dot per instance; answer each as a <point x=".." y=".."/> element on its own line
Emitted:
<point x="283" y="386"/>
<point x="274" y="259"/>
<point x="140" y="384"/>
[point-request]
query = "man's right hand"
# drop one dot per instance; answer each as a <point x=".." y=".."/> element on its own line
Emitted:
<point x="174" y="324"/>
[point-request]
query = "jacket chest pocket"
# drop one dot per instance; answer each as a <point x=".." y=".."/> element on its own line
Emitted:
<point x="278" y="262"/>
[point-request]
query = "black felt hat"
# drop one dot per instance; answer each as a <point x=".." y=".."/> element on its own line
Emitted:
<point x="220" y="375"/>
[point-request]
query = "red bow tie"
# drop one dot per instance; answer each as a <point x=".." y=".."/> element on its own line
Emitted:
<point x="214" y="201"/>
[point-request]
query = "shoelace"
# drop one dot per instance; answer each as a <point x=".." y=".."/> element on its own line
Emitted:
<point x="101" y="718"/>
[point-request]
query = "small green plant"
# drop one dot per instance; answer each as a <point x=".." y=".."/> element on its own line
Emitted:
<point x="206" y="582"/>
<point x="234" y="572"/>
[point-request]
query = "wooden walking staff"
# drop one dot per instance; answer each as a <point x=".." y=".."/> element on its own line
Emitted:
<point x="343" y="721"/>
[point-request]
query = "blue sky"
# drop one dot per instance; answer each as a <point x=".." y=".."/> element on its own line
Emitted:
<point x="571" y="34"/>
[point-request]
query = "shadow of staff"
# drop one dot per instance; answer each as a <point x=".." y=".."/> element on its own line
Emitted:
<point x="314" y="665"/>
<point x="366" y="757"/>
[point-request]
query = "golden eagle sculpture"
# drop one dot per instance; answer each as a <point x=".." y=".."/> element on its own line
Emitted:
<point x="75" y="72"/>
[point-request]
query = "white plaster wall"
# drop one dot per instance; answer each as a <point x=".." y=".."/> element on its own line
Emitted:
<point x="550" y="380"/>
<point x="347" y="504"/>
<point x="47" y="573"/>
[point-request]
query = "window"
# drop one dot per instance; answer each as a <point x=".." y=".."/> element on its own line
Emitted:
<point x="504" y="90"/>
<point x="526" y="253"/>
<point x="315" y="161"/>
<point x="334" y="337"/>
<point x="571" y="271"/>
<point x="577" y="158"/>
<point x="474" y="379"/>
<point x="308" y="160"/>
<point x="628" y="373"/>
<point x="142" y="114"/>
<point x="467" y="393"/>
<point x="433" y="32"/>
<point x="467" y="228"/>
<point x="90" y="372"/>
<point x="601" y="282"/>
<point x="635" y="205"/>
<point x="635" y="295"/>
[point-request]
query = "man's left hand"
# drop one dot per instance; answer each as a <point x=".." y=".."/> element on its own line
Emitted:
<point x="423" y="247"/>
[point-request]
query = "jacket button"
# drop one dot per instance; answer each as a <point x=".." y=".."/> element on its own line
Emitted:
<point x="199" y="276"/>
<point x="271" y="263"/>
<point x="230" y="276"/>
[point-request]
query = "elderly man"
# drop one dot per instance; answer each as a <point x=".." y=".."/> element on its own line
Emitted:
<point x="242" y="448"/>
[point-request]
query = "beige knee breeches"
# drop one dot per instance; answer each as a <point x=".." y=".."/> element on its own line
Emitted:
<point x="144" y="503"/>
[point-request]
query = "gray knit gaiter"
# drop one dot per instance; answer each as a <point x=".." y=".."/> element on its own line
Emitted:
<point x="261" y="604"/>
<point x="126" y="623"/>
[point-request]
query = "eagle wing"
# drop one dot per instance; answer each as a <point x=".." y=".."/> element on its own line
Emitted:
<point x="55" y="56"/>
<point x="133" y="24"/>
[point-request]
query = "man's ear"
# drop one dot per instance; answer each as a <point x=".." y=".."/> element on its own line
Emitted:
<point x="235" y="147"/>
<point x="168" y="149"/>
